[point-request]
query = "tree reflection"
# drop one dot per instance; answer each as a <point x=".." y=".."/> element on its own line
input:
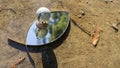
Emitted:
<point x="60" y="21"/>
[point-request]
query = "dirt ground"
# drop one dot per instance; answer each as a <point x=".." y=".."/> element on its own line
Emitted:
<point x="74" y="49"/>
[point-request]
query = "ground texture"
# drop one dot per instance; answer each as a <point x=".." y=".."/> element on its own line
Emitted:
<point x="74" y="50"/>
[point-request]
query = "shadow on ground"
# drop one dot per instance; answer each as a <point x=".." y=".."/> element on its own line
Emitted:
<point x="48" y="56"/>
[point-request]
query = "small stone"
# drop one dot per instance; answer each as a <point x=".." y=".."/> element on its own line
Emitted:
<point x="79" y="16"/>
<point x="87" y="1"/>
<point x="82" y="13"/>
<point x="106" y="1"/>
<point x="111" y="0"/>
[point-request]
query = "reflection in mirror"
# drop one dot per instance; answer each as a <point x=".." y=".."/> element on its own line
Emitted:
<point x="48" y="30"/>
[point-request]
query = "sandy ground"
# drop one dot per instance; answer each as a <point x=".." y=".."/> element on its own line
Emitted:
<point x="74" y="49"/>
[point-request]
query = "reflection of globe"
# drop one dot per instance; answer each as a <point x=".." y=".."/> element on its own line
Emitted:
<point x="43" y="13"/>
<point x="41" y="10"/>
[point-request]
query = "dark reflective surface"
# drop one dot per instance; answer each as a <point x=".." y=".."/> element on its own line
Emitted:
<point x="57" y="25"/>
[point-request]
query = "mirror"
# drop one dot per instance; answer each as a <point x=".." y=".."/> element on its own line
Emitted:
<point x="48" y="31"/>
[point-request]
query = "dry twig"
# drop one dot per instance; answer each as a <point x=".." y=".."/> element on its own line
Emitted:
<point x="96" y="36"/>
<point x="18" y="62"/>
<point x="8" y="9"/>
<point x="81" y="27"/>
<point x="115" y="26"/>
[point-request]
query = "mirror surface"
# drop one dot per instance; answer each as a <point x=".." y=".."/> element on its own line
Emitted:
<point x="49" y="31"/>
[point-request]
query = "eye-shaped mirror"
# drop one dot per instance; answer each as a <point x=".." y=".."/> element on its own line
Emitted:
<point x="43" y="32"/>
